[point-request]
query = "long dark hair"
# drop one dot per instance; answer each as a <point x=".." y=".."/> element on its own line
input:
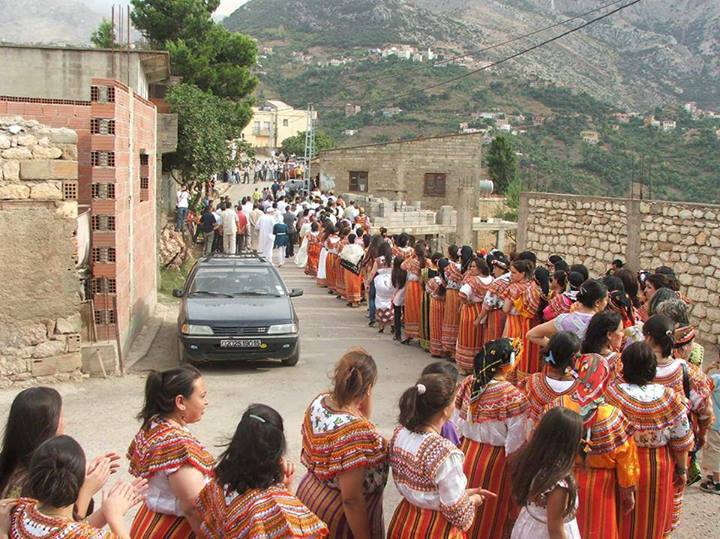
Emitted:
<point x="466" y="256"/>
<point x="523" y="266"/>
<point x="562" y="351"/>
<point x="661" y="330"/>
<point x="355" y="374"/>
<point x="549" y="457"/>
<point x="591" y="291"/>
<point x="420" y="402"/>
<point x="385" y="251"/>
<point x="542" y="278"/>
<point x="630" y="284"/>
<point x="33" y="418"/>
<point x="639" y="364"/>
<point x="421" y="253"/>
<point x="253" y="457"/>
<point x="162" y="387"/>
<point x="596" y="335"/>
<point x="398" y="277"/>
<point x="56" y="473"/>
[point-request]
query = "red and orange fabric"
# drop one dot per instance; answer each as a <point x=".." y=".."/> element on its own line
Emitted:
<point x="313" y="254"/>
<point x="526" y="305"/>
<point x="413" y="297"/>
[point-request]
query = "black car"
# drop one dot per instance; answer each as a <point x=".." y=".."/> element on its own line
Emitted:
<point x="237" y="307"/>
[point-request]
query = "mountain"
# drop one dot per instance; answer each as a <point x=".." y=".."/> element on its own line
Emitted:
<point x="653" y="53"/>
<point x="47" y="21"/>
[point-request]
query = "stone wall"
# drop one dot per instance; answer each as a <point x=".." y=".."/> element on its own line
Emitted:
<point x="647" y="234"/>
<point x="39" y="287"/>
<point x="396" y="170"/>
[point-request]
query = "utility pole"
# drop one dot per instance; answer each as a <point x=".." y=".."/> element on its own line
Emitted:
<point x="310" y="149"/>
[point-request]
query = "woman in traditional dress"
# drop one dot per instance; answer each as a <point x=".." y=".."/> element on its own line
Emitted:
<point x="164" y="452"/>
<point x="249" y="497"/>
<point x="563" y="294"/>
<point x="591" y="299"/>
<point x="650" y="283"/>
<point x="384" y="289"/>
<point x="493" y="317"/>
<point x="517" y="325"/>
<point x="607" y="473"/>
<point x="604" y="338"/>
<point x="329" y="247"/>
<point x="451" y="315"/>
<point x="401" y="249"/>
<point x="435" y="288"/>
<point x="663" y="437"/>
<point x="530" y="305"/>
<point x="370" y="267"/>
<point x="428" y="469"/>
<point x="345" y="456"/>
<point x="491" y="416"/>
<point x="338" y="270"/>
<point x="426" y="275"/>
<point x="558" y="378"/>
<point x="352" y="253"/>
<point x="476" y="282"/>
<point x="313" y="250"/>
<point x="54" y="479"/>
<point x="413" y="291"/>
<point x="689" y="383"/>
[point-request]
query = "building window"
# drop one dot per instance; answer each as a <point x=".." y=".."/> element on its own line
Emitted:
<point x="104" y="285"/>
<point x="358" y="181"/>
<point x="434" y="185"/>
<point x="144" y="189"/>
<point x="103" y="190"/>
<point x="286" y="122"/>
<point x="103" y="223"/>
<point x="102" y="159"/>
<point x="70" y="189"/>
<point x="143" y="159"/>
<point x="102" y="126"/>
<point x="103" y="254"/>
<point x="105" y="317"/>
<point x="102" y="94"/>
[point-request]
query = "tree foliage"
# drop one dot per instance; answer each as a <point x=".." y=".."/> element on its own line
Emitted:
<point x="296" y="143"/>
<point x="161" y="21"/>
<point x="104" y="36"/>
<point x="501" y="163"/>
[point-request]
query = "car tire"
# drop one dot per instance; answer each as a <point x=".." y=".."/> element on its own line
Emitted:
<point x="293" y="359"/>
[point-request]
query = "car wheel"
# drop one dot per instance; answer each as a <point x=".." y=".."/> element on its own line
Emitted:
<point x="293" y="359"/>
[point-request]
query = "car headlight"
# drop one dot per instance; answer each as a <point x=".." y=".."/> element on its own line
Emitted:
<point x="282" y="328"/>
<point x="192" y="329"/>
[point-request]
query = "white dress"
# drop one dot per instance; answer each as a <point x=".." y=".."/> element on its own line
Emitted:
<point x="532" y="522"/>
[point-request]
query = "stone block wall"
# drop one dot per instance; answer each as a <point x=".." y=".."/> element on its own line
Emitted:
<point x="647" y="234"/>
<point x="39" y="288"/>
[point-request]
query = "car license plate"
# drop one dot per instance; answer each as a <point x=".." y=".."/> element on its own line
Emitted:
<point x="240" y="343"/>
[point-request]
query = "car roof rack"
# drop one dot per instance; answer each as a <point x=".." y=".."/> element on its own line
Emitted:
<point x="246" y="256"/>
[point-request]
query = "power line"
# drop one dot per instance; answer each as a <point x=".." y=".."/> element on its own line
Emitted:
<point x="496" y="45"/>
<point x="511" y="57"/>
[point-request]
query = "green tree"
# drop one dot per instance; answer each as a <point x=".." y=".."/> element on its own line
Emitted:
<point x="104" y="36"/>
<point x="501" y="163"/>
<point x="161" y="21"/>
<point x="296" y="144"/>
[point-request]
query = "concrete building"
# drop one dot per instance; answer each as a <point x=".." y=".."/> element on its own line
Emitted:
<point x="428" y="170"/>
<point x="120" y="141"/>
<point x="272" y="123"/>
<point x="590" y="137"/>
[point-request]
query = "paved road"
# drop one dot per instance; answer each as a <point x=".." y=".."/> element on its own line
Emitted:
<point x="99" y="413"/>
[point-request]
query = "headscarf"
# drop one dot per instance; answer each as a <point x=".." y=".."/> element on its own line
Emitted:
<point x="593" y="376"/>
<point x="443" y="263"/>
<point x="491" y="358"/>
<point x="466" y="255"/>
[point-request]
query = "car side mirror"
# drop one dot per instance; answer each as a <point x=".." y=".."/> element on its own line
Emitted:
<point x="178" y="293"/>
<point x="296" y="292"/>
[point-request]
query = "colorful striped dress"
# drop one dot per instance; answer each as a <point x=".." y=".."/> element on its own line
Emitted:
<point x="321" y="276"/>
<point x="159" y="449"/>
<point x="516" y="324"/>
<point x="527" y="305"/>
<point x="330" y="262"/>
<point x="610" y="463"/>
<point x="337" y="442"/>
<point x="338" y="270"/>
<point x="494" y="424"/>
<point x="428" y="472"/>
<point x="424" y="338"/>
<point x="541" y="391"/>
<point x="698" y="403"/>
<point x="451" y="315"/>
<point x="313" y="254"/>
<point x="435" y="288"/>
<point x="493" y="304"/>
<point x="413" y="297"/>
<point x="661" y="425"/>
<point x="270" y="513"/>
<point x="469" y="340"/>
<point x="26" y="522"/>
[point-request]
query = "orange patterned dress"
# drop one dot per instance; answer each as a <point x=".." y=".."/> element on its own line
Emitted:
<point x="26" y="522"/>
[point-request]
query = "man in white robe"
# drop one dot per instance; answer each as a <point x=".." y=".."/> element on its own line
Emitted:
<point x="266" y="237"/>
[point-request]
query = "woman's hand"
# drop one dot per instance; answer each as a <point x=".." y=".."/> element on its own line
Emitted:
<point x="288" y="473"/>
<point x="98" y="472"/>
<point x="627" y="499"/>
<point x="6" y="507"/>
<point x="478" y="496"/>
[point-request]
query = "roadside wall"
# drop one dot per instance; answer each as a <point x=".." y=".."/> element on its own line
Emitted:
<point x="39" y="287"/>
<point x="648" y="234"/>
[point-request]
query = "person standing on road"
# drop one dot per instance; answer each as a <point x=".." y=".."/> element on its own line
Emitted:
<point x="181" y="208"/>
<point x="266" y="238"/>
<point x="290" y="218"/>
<point x="230" y="227"/>
<point x="208" y="227"/>
<point x="176" y="465"/>
<point x="242" y="230"/>
<point x="345" y="455"/>
<point x="280" y="232"/>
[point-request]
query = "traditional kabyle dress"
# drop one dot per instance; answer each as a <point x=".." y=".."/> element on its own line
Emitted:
<point x="559" y="304"/>
<point x="541" y="390"/>
<point x="493" y="304"/>
<point x="697" y="400"/>
<point x="428" y="472"/>
<point x="338" y="270"/>
<point x="451" y="316"/>
<point x="255" y="514"/>
<point x="470" y="340"/>
<point x="26" y="522"/>
<point x="313" y="254"/>
<point x="494" y="424"/>
<point x="527" y="305"/>
<point x="321" y="276"/>
<point x="435" y="287"/>
<point x="413" y="297"/>
<point x="333" y="443"/>
<point x="516" y="323"/>
<point x="159" y="449"/>
<point x="660" y="420"/>
<point x="331" y="245"/>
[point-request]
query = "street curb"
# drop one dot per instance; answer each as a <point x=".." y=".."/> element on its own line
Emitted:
<point x="142" y="343"/>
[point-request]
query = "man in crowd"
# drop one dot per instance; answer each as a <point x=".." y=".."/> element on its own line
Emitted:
<point x="181" y="208"/>
<point x="289" y="218"/>
<point x="242" y="230"/>
<point x="230" y="227"/>
<point x="207" y="227"/>
<point x="266" y="238"/>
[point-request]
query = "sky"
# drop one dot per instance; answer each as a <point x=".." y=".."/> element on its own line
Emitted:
<point x="103" y="7"/>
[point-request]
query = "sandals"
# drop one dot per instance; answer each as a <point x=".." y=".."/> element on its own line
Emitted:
<point x="710" y="486"/>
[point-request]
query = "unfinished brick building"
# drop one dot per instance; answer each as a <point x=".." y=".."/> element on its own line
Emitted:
<point x="119" y="159"/>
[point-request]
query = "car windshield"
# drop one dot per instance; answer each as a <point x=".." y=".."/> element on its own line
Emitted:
<point x="237" y="281"/>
